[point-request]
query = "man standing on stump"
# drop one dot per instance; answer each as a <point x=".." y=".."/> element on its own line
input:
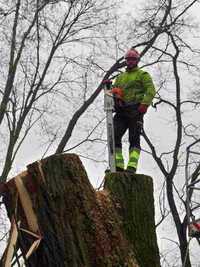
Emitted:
<point x="134" y="91"/>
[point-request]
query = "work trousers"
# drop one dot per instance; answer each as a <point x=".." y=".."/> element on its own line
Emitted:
<point x="128" y="118"/>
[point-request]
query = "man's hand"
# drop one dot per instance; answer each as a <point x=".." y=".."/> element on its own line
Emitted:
<point x="117" y="92"/>
<point x="107" y="83"/>
<point x="142" y="108"/>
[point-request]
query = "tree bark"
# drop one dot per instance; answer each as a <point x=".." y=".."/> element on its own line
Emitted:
<point x="54" y="204"/>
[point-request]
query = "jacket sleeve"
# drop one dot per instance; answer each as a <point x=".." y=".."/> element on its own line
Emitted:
<point x="148" y="88"/>
<point x="117" y="81"/>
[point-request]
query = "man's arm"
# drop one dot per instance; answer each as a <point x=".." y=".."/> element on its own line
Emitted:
<point x="149" y="89"/>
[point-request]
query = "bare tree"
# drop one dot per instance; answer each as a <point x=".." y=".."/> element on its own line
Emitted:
<point x="177" y="55"/>
<point x="41" y="38"/>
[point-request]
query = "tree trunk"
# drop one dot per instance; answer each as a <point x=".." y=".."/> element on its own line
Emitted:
<point x="134" y="193"/>
<point x="58" y="219"/>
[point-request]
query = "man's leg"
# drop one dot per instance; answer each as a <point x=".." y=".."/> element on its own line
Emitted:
<point x="135" y="127"/>
<point x="120" y="127"/>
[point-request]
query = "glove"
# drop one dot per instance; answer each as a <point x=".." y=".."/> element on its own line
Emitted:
<point x="107" y="81"/>
<point x="142" y="108"/>
<point x="117" y="92"/>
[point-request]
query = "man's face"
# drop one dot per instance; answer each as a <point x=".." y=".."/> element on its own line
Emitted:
<point x="131" y="62"/>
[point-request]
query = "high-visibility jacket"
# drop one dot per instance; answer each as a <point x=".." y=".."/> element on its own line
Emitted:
<point x="137" y="86"/>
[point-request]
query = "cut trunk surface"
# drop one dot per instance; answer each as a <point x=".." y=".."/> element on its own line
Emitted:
<point x="58" y="219"/>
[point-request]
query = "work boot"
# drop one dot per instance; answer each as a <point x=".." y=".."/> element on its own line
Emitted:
<point x="131" y="169"/>
<point x="119" y="160"/>
<point x="118" y="169"/>
<point x="107" y="170"/>
<point x="134" y="154"/>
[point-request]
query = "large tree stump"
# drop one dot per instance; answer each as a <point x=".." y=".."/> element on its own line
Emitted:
<point x="133" y="195"/>
<point x="54" y="204"/>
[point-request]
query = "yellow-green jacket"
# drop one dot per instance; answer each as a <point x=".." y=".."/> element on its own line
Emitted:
<point x="137" y="86"/>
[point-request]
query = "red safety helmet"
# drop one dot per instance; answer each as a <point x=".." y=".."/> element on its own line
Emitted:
<point x="132" y="58"/>
<point x="132" y="53"/>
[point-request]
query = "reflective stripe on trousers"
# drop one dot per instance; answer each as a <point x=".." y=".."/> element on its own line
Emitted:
<point x="134" y="155"/>
<point x="119" y="158"/>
